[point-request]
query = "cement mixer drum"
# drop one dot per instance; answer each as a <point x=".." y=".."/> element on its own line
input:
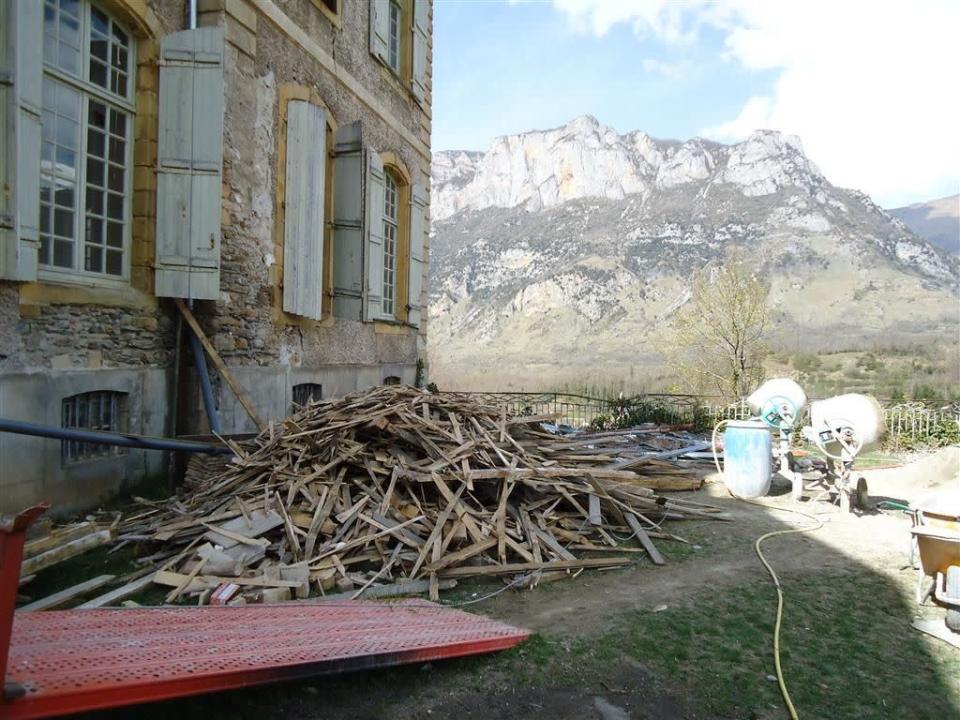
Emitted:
<point x="846" y="425"/>
<point x="778" y="402"/>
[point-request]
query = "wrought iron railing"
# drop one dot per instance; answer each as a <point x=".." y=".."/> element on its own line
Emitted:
<point x="909" y="425"/>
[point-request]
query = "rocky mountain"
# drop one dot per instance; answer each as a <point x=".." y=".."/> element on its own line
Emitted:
<point x="557" y="254"/>
<point x="937" y="221"/>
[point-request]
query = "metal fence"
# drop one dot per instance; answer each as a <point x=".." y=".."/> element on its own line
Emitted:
<point x="909" y="425"/>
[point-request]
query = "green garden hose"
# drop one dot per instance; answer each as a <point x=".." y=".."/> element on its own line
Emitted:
<point x="776" y="581"/>
<point x="773" y="575"/>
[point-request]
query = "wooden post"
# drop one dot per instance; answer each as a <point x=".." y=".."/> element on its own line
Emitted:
<point x="218" y="363"/>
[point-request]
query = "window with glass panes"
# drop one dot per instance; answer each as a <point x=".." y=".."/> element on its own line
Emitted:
<point x="393" y="36"/>
<point x="99" y="410"/>
<point x="390" y="224"/>
<point x="85" y="154"/>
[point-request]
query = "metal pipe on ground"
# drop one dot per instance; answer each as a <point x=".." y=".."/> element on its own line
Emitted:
<point x="142" y="442"/>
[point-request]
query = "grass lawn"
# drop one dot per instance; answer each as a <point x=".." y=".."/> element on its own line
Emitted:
<point x="847" y="651"/>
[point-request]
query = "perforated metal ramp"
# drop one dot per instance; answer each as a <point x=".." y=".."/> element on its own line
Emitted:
<point x="74" y="660"/>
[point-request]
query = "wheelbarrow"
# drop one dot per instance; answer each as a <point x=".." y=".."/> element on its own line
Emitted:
<point x="936" y="531"/>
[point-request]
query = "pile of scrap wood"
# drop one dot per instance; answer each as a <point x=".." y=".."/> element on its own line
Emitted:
<point x="399" y="484"/>
<point x="644" y="448"/>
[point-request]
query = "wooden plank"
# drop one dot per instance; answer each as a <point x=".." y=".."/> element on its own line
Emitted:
<point x="175" y="579"/>
<point x="176" y="592"/>
<point x="551" y="542"/>
<point x="644" y="539"/>
<point x="219" y="364"/>
<point x="125" y="591"/>
<point x="398" y="589"/>
<point x="65" y="552"/>
<point x="460" y="555"/>
<point x="64" y="596"/>
<point x="383" y="523"/>
<point x="221" y="532"/>
<point x="548" y="472"/>
<point x="228" y="534"/>
<point x="468" y="571"/>
<point x="595" y="517"/>
<point x="58" y="537"/>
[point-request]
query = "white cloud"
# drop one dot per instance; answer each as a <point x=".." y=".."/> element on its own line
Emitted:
<point x="669" y="70"/>
<point x="870" y="87"/>
<point x="667" y="20"/>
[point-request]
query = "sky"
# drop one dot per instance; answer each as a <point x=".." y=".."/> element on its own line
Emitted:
<point x="872" y="88"/>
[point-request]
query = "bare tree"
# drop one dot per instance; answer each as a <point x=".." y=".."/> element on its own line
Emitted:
<point x="716" y="342"/>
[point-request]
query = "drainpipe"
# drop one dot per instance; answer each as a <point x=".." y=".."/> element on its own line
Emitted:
<point x="175" y="400"/>
<point x="192" y="14"/>
<point x="200" y="361"/>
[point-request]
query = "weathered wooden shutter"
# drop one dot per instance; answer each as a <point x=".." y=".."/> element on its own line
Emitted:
<point x="379" y="28"/>
<point x="303" y="228"/>
<point x="418" y="230"/>
<point x="21" y="82"/>
<point x="373" y="296"/>
<point x="421" y="23"/>
<point x="190" y="154"/>
<point x="348" y="171"/>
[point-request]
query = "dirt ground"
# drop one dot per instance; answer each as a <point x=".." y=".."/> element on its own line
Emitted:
<point x="590" y="606"/>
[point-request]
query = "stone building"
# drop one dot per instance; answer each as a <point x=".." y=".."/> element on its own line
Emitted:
<point x="266" y="162"/>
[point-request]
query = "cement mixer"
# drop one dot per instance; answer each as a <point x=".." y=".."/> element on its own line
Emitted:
<point x="841" y="428"/>
<point x="775" y="406"/>
<point x="779" y="403"/>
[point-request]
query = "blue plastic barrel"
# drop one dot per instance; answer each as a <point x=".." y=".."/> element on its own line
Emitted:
<point x="748" y="454"/>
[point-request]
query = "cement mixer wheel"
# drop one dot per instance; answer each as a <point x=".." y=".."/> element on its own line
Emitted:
<point x="953" y="590"/>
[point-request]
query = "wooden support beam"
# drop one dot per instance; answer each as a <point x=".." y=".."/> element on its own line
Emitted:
<point x="219" y="364"/>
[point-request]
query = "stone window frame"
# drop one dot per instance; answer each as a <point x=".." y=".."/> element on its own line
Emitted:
<point x="89" y="92"/>
<point x="403" y="70"/>
<point x="396" y="169"/>
<point x="332" y="14"/>
<point x="391" y="233"/>
<point x="287" y="92"/>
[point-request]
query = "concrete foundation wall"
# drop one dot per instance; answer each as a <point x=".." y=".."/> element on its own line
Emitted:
<point x="31" y="470"/>
<point x="271" y="390"/>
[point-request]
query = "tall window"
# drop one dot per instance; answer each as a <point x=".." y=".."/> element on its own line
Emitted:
<point x="393" y="49"/>
<point x="390" y="223"/>
<point x="85" y="155"/>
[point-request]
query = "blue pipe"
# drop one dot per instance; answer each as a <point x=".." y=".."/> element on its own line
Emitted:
<point x="22" y="427"/>
<point x="200" y="360"/>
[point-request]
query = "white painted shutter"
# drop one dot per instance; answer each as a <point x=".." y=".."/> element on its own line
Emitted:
<point x="418" y="230"/>
<point x="373" y="297"/>
<point x="421" y="23"/>
<point x="379" y="28"/>
<point x="303" y="228"/>
<point x="348" y="171"/>
<point x="190" y="155"/>
<point x="21" y="99"/>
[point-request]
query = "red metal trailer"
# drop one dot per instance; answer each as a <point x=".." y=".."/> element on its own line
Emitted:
<point x="72" y="660"/>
